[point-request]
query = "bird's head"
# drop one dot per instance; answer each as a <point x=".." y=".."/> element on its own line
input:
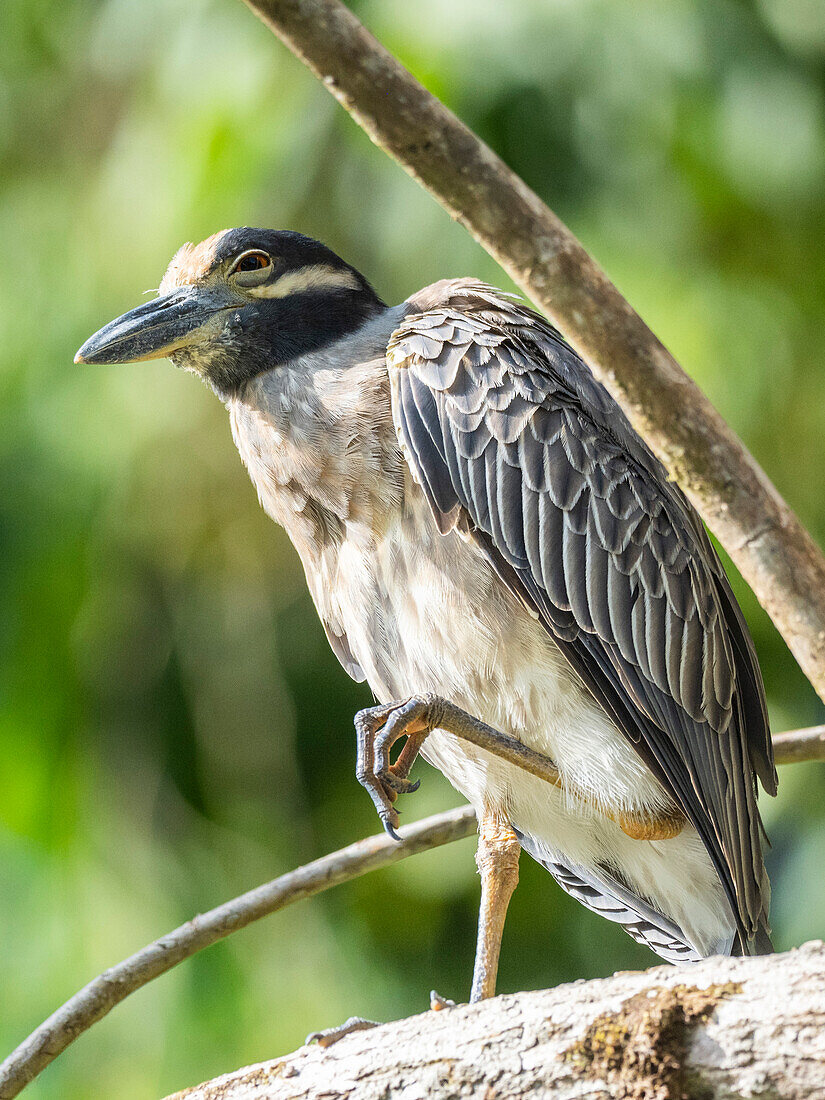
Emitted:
<point x="241" y="302"/>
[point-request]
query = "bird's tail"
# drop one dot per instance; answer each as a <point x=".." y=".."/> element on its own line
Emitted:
<point x="758" y="944"/>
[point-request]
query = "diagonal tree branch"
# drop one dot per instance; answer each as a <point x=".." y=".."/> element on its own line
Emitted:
<point x="773" y="551"/>
<point x="101" y="995"/>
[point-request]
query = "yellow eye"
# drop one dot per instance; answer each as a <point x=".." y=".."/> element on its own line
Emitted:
<point x="253" y="261"/>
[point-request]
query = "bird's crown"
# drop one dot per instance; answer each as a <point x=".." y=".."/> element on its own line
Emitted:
<point x="267" y="263"/>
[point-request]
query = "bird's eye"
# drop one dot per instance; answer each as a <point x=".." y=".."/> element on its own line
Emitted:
<point x="253" y="261"/>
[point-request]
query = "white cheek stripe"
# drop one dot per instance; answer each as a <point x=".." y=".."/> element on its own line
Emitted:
<point x="313" y="277"/>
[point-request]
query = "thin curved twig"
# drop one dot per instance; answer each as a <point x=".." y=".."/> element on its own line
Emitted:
<point x="101" y="995"/>
<point x="773" y="551"/>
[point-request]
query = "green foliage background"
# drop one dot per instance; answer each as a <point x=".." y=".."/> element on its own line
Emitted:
<point x="173" y="727"/>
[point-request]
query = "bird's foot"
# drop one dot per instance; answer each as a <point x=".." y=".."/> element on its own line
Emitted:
<point x="377" y="730"/>
<point x="331" y="1035"/>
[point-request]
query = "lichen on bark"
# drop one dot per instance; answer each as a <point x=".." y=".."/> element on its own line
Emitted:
<point x="640" y="1050"/>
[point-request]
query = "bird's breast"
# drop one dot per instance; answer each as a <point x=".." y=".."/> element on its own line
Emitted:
<point x="426" y="612"/>
<point x="417" y="610"/>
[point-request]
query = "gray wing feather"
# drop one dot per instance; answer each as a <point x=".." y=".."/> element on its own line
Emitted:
<point x="602" y="892"/>
<point x="500" y="420"/>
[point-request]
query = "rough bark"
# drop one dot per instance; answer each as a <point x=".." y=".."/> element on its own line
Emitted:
<point x="716" y="1030"/>
<point x="775" y="554"/>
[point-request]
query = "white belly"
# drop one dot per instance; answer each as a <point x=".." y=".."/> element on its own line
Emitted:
<point x="426" y="613"/>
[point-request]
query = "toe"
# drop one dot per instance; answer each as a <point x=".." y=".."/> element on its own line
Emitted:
<point x="332" y="1034"/>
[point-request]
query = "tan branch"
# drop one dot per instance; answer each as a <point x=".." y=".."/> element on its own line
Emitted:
<point x="799" y="746"/>
<point x="773" y="551"/>
<point x="100" y="996"/>
<point x="715" y="1029"/>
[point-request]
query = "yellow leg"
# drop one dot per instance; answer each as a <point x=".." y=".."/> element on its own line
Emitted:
<point x="497" y="859"/>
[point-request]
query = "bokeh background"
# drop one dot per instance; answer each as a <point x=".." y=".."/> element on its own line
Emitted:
<point x="173" y="727"/>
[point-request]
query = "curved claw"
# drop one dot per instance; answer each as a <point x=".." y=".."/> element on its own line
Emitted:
<point x="389" y="818"/>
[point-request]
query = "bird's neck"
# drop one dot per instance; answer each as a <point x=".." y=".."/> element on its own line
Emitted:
<point x="285" y="331"/>
<point x="317" y="438"/>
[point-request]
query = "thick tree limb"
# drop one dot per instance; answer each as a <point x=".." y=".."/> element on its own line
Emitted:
<point x="773" y="551"/>
<point x="100" y="996"/>
<point x="715" y="1029"/>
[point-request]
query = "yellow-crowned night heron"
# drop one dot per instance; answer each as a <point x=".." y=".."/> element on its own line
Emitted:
<point x="493" y="548"/>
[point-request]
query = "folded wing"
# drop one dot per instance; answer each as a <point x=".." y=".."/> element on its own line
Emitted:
<point x="510" y="435"/>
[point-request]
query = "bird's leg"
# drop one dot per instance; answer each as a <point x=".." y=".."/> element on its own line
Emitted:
<point x="497" y="860"/>
<point x="378" y="728"/>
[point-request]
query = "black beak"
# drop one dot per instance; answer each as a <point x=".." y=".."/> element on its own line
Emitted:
<point x="155" y="329"/>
